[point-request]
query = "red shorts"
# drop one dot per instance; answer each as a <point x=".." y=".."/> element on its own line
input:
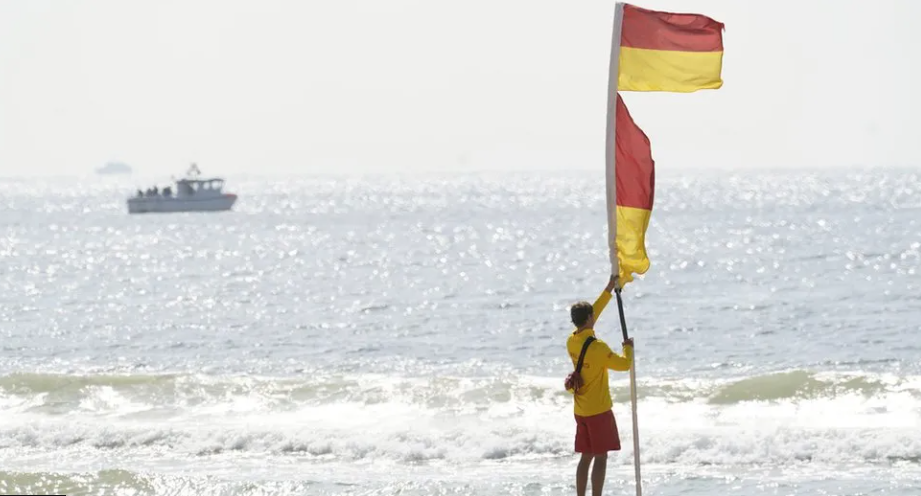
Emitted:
<point x="597" y="434"/>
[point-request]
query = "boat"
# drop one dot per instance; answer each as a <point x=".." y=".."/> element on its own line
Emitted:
<point x="193" y="194"/>
<point x="114" y="168"/>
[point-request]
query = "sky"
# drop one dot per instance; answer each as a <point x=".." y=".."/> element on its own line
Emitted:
<point x="305" y="86"/>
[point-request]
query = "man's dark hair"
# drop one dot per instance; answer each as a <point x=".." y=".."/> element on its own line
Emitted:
<point x="580" y="312"/>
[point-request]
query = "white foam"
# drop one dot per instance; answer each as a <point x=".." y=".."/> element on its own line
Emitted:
<point x="461" y="421"/>
<point x="691" y="433"/>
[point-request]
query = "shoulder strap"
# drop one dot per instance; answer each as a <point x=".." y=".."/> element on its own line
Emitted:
<point x="588" y="341"/>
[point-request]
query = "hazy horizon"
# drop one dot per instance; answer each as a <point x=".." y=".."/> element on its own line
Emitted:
<point x="357" y="87"/>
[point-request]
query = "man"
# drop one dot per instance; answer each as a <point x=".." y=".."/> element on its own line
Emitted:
<point x="596" y="429"/>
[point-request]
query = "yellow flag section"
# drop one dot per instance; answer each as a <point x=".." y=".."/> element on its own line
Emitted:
<point x="663" y="51"/>
<point x="650" y="51"/>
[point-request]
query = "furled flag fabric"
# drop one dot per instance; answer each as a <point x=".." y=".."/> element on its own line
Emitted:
<point x="635" y="191"/>
<point x="663" y="51"/>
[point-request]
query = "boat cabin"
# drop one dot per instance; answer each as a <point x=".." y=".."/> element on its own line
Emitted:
<point x="199" y="187"/>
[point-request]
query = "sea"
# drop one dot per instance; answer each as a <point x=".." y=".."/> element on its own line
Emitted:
<point x="404" y="334"/>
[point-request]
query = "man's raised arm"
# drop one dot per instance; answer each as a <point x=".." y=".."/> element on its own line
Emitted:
<point x="604" y="298"/>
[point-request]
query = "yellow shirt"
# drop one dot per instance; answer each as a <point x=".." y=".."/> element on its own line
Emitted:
<point x="594" y="396"/>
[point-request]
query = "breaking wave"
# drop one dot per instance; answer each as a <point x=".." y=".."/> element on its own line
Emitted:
<point x="794" y="416"/>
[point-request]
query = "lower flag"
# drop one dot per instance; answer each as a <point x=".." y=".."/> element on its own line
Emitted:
<point x="634" y="172"/>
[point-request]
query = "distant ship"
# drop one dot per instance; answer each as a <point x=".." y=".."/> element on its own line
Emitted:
<point x="114" y="168"/>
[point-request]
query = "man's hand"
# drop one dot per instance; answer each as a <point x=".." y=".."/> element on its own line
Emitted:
<point x="629" y="342"/>
<point x="612" y="283"/>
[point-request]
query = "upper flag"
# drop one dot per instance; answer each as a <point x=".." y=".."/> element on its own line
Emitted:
<point x="664" y="51"/>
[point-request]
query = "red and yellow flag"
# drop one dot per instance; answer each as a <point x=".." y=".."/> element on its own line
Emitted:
<point x="636" y="178"/>
<point x="652" y="51"/>
<point x="664" y="51"/>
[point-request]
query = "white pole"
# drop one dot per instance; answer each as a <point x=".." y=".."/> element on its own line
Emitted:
<point x="611" y="190"/>
<point x="636" y="429"/>
<point x="610" y="140"/>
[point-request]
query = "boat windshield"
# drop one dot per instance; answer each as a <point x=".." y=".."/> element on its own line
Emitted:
<point x="189" y="187"/>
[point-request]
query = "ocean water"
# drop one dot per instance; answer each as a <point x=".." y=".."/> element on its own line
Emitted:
<point x="387" y="335"/>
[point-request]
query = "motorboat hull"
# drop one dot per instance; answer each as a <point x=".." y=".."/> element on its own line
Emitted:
<point x="160" y="204"/>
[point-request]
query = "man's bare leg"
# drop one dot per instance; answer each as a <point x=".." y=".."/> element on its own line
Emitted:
<point x="598" y="470"/>
<point x="582" y="474"/>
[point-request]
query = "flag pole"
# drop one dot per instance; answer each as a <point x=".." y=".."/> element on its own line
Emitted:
<point x="611" y="192"/>
<point x="636" y="429"/>
<point x="610" y="149"/>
